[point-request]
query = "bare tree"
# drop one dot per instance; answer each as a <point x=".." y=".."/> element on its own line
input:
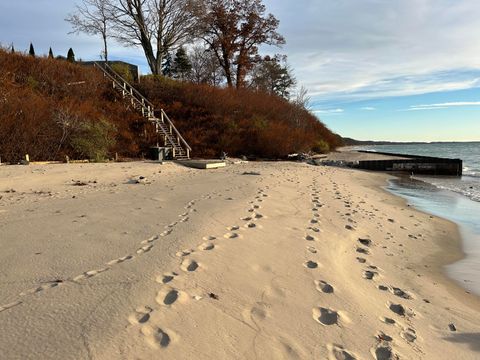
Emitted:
<point x="158" y="26"/>
<point x="93" y="17"/>
<point x="205" y="67"/>
<point x="302" y="99"/>
<point x="234" y="29"/>
<point x="68" y="122"/>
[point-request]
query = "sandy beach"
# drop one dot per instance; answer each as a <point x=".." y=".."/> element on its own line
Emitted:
<point x="252" y="261"/>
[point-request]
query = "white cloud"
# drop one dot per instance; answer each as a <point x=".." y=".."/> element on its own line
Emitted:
<point x="368" y="108"/>
<point x="378" y="48"/>
<point x="444" y="105"/>
<point x="345" y="49"/>
<point x="328" y="111"/>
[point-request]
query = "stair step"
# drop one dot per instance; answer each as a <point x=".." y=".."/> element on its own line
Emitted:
<point x="139" y="103"/>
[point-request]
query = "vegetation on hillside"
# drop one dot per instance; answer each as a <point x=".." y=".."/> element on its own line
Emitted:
<point x="49" y="108"/>
<point x="239" y="122"/>
<point x="52" y="108"/>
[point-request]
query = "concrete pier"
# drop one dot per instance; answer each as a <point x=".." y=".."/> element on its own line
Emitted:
<point x="413" y="164"/>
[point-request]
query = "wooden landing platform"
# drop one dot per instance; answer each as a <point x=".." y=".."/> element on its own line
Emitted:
<point x="203" y="164"/>
<point x="412" y="164"/>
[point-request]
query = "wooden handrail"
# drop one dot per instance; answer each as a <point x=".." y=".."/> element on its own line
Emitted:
<point x="175" y="129"/>
<point x="113" y="75"/>
<point x="145" y="104"/>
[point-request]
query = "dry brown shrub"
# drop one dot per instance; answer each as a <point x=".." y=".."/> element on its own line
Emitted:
<point x="238" y="122"/>
<point x="42" y="99"/>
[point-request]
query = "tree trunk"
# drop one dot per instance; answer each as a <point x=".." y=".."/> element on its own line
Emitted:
<point x="228" y="70"/>
<point x="105" y="48"/>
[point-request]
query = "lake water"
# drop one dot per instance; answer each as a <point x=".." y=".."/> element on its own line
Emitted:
<point x="452" y="198"/>
<point x="468" y="185"/>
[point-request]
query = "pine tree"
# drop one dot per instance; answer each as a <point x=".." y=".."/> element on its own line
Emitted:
<point x="181" y="64"/>
<point x="31" y="52"/>
<point x="12" y="49"/>
<point x="70" y="55"/>
<point x="50" y="54"/>
<point x="167" y="65"/>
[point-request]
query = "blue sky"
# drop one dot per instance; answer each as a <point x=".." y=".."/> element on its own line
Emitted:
<point x="375" y="69"/>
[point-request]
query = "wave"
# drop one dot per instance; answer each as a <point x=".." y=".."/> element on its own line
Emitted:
<point x="473" y="174"/>
<point x="473" y="193"/>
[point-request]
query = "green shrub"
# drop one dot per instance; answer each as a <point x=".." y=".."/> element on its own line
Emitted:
<point x="95" y="139"/>
<point x="321" y="147"/>
<point x="124" y="71"/>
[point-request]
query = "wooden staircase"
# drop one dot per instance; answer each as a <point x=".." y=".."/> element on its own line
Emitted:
<point x="180" y="150"/>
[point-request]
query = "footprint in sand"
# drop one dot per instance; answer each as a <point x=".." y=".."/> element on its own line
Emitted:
<point x="120" y="260"/>
<point x="41" y="288"/>
<point x="169" y="296"/>
<point x="250" y="225"/>
<point x="387" y="320"/>
<point x="184" y="253"/>
<point x="399" y="292"/>
<point x="206" y="246"/>
<point x="166" y="232"/>
<point x="314" y="221"/>
<point x="314" y="229"/>
<point x="369" y="275"/>
<point x="398" y="309"/>
<point x="338" y="352"/>
<point x="89" y="274"/>
<point x="140" y="316"/>
<point x="144" y="249"/>
<point x="311" y="264"/>
<point x="363" y="251"/>
<point x="189" y="265"/>
<point x="361" y="260"/>
<point x="209" y="238"/>
<point x="409" y="335"/>
<point x="310" y="238"/>
<point x="231" y="235"/>
<point x="150" y="240"/>
<point x="365" y="242"/>
<point x="258" y="312"/>
<point x="324" y="287"/>
<point x="9" y="305"/>
<point x="325" y="316"/>
<point x="166" y="278"/>
<point x="312" y="249"/>
<point x="381" y="336"/>
<point x="233" y="228"/>
<point x="158" y="338"/>
<point x="171" y="225"/>
<point x="383" y="351"/>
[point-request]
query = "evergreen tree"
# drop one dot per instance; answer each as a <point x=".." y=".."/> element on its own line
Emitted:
<point x="167" y="65"/>
<point x="70" y="55"/>
<point x="31" y="52"/>
<point x="181" y="64"/>
<point x="273" y="75"/>
<point x="12" y="49"/>
<point x="50" y="54"/>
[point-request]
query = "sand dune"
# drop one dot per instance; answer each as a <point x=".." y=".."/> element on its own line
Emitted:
<point x="299" y="262"/>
